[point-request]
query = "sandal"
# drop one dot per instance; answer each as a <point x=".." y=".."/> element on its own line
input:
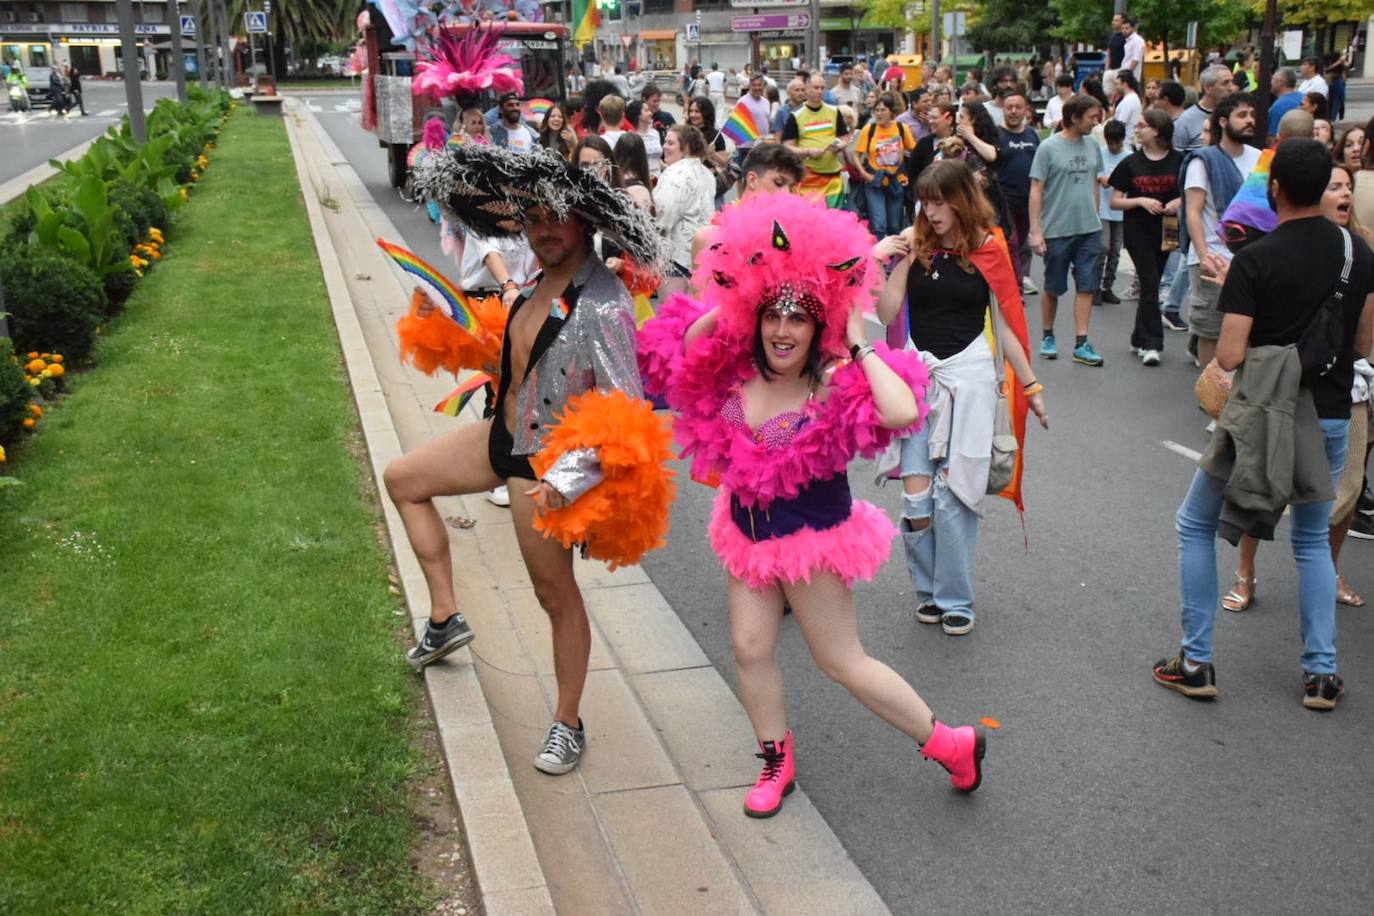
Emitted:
<point x="1345" y="595"/>
<point x="1241" y="595"/>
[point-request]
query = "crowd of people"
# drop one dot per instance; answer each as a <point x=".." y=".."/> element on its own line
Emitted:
<point x="928" y="209"/>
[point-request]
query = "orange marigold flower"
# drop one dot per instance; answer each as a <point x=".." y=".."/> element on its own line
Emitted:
<point x="57" y="370"/>
<point x="30" y="423"/>
<point x="36" y="410"/>
<point x="57" y="357"/>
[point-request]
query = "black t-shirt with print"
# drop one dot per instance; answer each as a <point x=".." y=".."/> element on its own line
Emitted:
<point x="1282" y="279"/>
<point x="946" y="305"/>
<point x="1140" y="176"/>
<point x="1015" y="153"/>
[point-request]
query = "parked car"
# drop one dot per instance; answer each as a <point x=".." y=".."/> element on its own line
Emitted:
<point x="40" y="94"/>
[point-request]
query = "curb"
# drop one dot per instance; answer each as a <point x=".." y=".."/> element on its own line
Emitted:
<point x="505" y="866"/>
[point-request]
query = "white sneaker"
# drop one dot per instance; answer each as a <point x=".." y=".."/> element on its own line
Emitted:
<point x="1149" y="357"/>
<point x="499" y="497"/>
<point x="1028" y="288"/>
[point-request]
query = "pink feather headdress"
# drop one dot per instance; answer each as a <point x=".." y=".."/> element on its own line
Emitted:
<point x="468" y="65"/>
<point x="784" y="248"/>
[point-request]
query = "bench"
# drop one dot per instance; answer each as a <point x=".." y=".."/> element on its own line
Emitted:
<point x="269" y="105"/>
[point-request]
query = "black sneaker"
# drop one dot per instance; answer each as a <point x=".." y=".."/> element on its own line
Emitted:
<point x="1174" y="321"/>
<point x="439" y="640"/>
<point x="1362" y="526"/>
<point x="929" y="613"/>
<point x="1197" y="685"/>
<point x="956" y="624"/>
<point x="1323" y="690"/>
<point x="1109" y="297"/>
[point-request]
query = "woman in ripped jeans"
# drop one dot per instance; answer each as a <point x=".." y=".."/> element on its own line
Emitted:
<point x="947" y="280"/>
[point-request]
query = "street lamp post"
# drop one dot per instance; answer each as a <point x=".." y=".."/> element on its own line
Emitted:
<point x="271" y="56"/>
<point x="133" y="87"/>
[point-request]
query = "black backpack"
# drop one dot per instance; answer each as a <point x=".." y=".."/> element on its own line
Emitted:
<point x="1321" y="342"/>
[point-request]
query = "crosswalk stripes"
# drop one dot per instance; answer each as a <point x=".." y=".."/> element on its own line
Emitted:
<point x="107" y="113"/>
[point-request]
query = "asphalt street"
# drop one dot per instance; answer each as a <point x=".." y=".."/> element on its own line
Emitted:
<point x="1103" y="792"/>
<point x="33" y="137"/>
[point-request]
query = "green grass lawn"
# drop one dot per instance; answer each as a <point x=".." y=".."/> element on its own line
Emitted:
<point x="202" y="703"/>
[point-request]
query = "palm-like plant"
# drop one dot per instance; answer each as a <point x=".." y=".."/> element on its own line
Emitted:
<point x="297" y="21"/>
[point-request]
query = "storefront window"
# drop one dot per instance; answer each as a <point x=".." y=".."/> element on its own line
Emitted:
<point x="74" y="12"/>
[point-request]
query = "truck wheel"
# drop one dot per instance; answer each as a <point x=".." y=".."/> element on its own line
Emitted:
<point x="396" y="167"/>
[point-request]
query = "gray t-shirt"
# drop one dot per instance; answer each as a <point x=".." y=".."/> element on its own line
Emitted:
<point x="1068" y="169"/>
<point x="1188" y="128"/>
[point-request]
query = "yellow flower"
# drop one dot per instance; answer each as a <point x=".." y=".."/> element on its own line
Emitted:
<point x="46" y="373"/>
<point x="2" y="453"/>
<point x="35" y="381"/>
<point x="138" y="273"/>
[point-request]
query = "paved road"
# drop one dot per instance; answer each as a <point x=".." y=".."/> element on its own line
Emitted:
<point x="33" y="137"/>
<point x="1104" y="793"/>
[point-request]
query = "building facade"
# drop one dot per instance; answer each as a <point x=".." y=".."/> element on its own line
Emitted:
<point x="84" y="34"/>
<point x="667" y="34"/>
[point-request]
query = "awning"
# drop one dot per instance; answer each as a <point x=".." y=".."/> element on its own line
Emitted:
<point x="657" y="34"/>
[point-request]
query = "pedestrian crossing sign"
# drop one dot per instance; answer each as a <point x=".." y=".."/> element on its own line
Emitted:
<point x="255" y="22"/>
<point x="188" y="25"/>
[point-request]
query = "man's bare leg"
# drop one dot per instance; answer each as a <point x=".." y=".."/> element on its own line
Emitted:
<point x="455" y="464"/>
<point x="1049" y="307"/>
<point x="1082" y="312"/>
<point x="551" y="571"/>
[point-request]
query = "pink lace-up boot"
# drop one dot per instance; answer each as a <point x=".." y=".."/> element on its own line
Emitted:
<point x="960" y="751"/>
<point x="776" y="780"/>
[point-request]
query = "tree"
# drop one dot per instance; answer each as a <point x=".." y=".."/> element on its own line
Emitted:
<point x="892" y="14"/>
<point x="298" y="21"/>
<point x="1219" y="21"/>
<point x="1083" y="20"/>
<point x="1013" y="24"/>
<point x="1316" y="12"/>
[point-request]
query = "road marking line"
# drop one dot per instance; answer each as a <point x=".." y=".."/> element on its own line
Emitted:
<point x="107" y="113"/>
<point x="1183" y="450"/>
<point x="310" y="103"/>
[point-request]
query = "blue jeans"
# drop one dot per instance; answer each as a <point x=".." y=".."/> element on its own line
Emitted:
<point x="884" y="205"/>
<point x="1178" y="287"/>
<point x="1196" y="523"/>
<point x="939" y="556"/>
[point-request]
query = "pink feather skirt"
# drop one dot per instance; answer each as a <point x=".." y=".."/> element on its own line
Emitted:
<point x="853" y="550"/>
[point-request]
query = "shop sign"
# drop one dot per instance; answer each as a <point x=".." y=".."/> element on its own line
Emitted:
<point x="768" y="23"/>
<point x="84" y="28"/>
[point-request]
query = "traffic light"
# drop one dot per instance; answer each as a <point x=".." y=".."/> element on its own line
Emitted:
<point x="610" y="9"/>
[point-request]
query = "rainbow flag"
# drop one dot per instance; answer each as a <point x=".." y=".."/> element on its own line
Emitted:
<point x="458" y="398"/>
<point x="1249" y="215"/>
<point x="740" y="126"/>
<point x="535" y="109"/>
<point x="585" y="20"/>
<point x="449" y="297"/>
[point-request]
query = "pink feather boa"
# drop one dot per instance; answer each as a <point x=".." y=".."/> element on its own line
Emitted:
<point x="697" y="382"/>
<point x="854" y="549"/>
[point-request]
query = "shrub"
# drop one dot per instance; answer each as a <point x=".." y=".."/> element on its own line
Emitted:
<point x="55" y="303"/>
<point x="15" y="392"/>
<point x="141" y="203"/>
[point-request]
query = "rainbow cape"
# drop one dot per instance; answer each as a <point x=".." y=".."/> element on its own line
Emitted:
<point x="445" y="294"/>
<point x="1249" y="215"/>
<point x="740" y="126"/>
<point x="535" y="109"/>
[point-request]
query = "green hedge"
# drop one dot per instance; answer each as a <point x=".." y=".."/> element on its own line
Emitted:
<point x="72" y="252"/>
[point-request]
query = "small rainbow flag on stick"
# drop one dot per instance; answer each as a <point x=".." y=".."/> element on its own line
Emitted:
<point x="444" y="293"/>
<point x="458" y="398"/>
<point x="740" y="126"/>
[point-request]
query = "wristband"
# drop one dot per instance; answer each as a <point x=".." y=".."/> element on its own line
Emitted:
<point x="1033" y="388"/>
<point x="859" y="351"/>
<point x="509" y="282"/>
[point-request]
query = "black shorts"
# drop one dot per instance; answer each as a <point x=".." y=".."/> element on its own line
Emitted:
<point x="499" y="445"/>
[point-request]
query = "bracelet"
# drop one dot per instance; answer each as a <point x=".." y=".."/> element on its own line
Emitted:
<point x="1033" y="388"/>
<point x="859" y="351"/>
<point x="509" y="282"/>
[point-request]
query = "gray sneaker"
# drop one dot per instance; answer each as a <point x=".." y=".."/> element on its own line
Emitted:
<point x="440" y="640"/>
<point x="562" y="749"/>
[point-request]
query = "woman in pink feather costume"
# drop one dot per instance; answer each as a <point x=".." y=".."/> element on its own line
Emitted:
<point x="776" y="392"/>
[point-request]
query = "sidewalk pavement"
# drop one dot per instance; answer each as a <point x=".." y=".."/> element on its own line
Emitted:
<point x="651" y="821"/>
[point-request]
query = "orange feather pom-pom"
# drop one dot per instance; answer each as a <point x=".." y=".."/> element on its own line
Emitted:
<point x="626" y="515"/>
<point x="436" y="341"/>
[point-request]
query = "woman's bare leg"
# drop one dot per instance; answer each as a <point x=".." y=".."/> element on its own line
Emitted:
<point x="825" y="611"/>
<point x="755" y="618"/>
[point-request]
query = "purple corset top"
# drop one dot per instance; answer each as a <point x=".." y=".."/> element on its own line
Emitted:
<point x="773" y="433"/>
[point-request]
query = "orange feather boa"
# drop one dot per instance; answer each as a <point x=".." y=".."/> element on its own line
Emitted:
<point x="436" y="341"/>
<point x="626" y="515"/>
